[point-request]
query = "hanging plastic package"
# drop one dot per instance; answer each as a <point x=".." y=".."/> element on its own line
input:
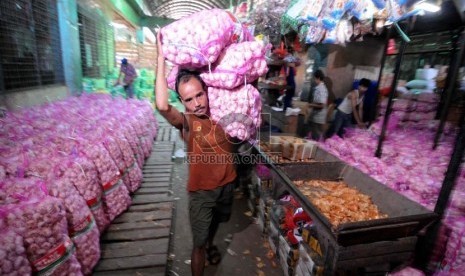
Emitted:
<point x="290" y="19"/>
<point x="330" y="36"/>
<point x="344" y="31"/>
<point x="334" y="11"/>
<point x="379" y="4"/>
<point x="363" y="9"/>
<point x="314" y="34"/>
<point x="397" y="12"/>
<point x="311" y="10"/>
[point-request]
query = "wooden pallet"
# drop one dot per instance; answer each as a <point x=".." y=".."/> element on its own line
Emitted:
<point x="136" y="243"/>
<point x="167" y="133"/>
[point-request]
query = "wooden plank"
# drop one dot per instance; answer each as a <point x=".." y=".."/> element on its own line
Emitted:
<point x="166" y="134"/>
<point x="158" y="174"/>
<point x="151" y="207"/>
<point x="174" y="135"/>
<point x="144" y="199"/>
<point x="156" y="185"/>
<point x="140" y="225"/>
<point x="161" y="168"/>
<point x="134" y="248"/>
<point x="153" y="190"/>
<point x="137" y="234"/>
<point x="377" y="248"/>
<point x="157" y="170"/>
<point x="160" y="155"/>
<point x="131" y="262"/>
<point x="144" y="216"/>
<point x="163" y="159"/>
<point x="160" y="133"/>
<point x="156" y="179"/>
<point x="168" y="165"/>
<point x="150" y="271"/>
<point x="375" y="260"/>
<point x="164" y="143"/>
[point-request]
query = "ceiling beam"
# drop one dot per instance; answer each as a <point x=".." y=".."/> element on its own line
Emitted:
<point x="209" y="3"/>
<point x="181" y="3"/>
<point x="179" y="10"/>
<point x="180" y="15"/>
<point x="177" y="5"/>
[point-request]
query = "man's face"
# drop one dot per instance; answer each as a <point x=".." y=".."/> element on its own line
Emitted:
<point x="362" y="89"/>
<point x="194" y="97"/>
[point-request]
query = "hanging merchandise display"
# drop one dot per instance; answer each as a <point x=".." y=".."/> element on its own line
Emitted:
<point x="267" y="17"/>
<point x="330" y="21"/>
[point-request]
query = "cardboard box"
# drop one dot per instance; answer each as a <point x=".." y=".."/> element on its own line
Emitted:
<point x="297" y="149"/>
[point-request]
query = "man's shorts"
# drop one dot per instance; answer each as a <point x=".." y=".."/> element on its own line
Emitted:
<point x="207" y="206"/>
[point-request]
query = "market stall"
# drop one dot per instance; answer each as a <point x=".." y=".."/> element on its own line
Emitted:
<point x="339" y="240"/>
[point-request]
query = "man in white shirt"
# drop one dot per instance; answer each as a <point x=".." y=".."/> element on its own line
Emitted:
<point x="319" y="106"/>
<point x="352" y="104"/>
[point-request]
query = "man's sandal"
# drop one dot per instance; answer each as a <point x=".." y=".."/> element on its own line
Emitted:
<point x="213" y="255"/>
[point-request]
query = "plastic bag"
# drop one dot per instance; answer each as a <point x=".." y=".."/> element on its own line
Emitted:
<point x="81" y="226"/>
<point x="42" y="219"/>
<point x="197" y="40"/>
<point x="238" y="111"/>
<point x="133" y="175"/>
<point x="333" y="12"/>
<point x="239" y="64"/>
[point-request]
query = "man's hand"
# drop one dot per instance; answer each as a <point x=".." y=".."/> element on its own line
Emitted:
<point x="361" y="125"/>
<point x="159" y="47"/>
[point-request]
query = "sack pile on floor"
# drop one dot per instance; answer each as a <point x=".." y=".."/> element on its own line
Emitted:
<point x="66" y="171"/>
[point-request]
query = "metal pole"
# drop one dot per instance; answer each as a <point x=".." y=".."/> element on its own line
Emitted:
<point x="400" y="55"/>
<point x="383" y="61"/>
<point x="426" y="247"/>
<point x="453" y="71"/>
<point x="453" y="54"/>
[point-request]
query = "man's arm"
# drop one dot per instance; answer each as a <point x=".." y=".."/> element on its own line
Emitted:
<point x="316" y="105"/>
<point x="354" y="99"/>
<point x="171" y="114"/>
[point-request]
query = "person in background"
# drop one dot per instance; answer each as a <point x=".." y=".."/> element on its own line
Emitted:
<point x="351" y="104"/>
<point x="319" y="105"/>
<point x="210" y="183"/>
<point x="290" y="90"/>
<point x="130" y="75"/>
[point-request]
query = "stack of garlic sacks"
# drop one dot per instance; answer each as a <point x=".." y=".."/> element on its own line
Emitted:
<point x="214" y="44"/>
<point x="67" y="169"/>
